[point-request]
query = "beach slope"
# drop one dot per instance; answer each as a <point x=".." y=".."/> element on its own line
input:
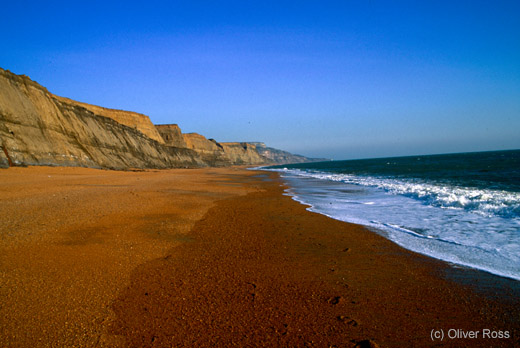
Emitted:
<point x="219" y="257"/>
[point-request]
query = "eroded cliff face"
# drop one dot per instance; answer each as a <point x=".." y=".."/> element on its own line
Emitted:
<point x="37" y="128"/>
<point x="200" y="143"/>
<point x="231" y="153"/>
<point x="283" y="157"/>
<point x="243" y="153"/>
<point x="131" y="119"/>
<point x="40" y="128"/>
<point x="223" y="153"/>
<point x="171" y="135"/>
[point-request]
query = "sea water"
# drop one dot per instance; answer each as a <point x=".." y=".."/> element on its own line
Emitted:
<point x="461" y="208"/>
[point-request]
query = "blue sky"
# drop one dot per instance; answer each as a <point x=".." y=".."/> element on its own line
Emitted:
<point x="347" y="79"/>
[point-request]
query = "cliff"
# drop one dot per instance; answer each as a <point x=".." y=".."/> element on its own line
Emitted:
<point x="208" y="150"/>
<point x="225" y="153"/>
<point x="131" y="119"/>
<point x="171" y="135"/>
<point x="199" y="143"/>
<point x="282" y="157"/>
<point x="243" y="153"/>
<point x="38" y="128"/>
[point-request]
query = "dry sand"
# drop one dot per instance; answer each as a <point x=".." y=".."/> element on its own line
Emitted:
<point x="217" y="257"/>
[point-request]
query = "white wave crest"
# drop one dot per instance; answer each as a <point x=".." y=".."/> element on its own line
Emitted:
<point x="486" y="202"/>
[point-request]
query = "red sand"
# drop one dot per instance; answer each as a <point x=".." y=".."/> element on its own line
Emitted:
<point x="218" y="257"/>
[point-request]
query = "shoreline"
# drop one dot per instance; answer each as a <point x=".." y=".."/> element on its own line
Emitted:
<point x="438" y="233"/>
<point x="221" y="257"/>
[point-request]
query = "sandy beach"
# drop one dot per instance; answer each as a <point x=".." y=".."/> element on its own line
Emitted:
<point x="219" y="258"/>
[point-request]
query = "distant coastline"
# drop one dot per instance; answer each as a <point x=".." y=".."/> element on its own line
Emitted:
<point x="40" y="128"/>
<point x="461" y="208"/>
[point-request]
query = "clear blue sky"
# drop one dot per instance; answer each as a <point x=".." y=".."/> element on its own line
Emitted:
<point x="346" y="79"/>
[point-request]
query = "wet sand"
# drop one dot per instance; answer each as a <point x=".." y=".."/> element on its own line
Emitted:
<point x="218" y="257"/>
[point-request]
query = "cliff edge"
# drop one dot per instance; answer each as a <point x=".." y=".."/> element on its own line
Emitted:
<point x="232" y="153"/>
<point x="38" y="128"/>
<point x="171" y="135"/>
<point x="244" y="153"/>
<point x="131" y="119"/>
<point x="282" y="157"/>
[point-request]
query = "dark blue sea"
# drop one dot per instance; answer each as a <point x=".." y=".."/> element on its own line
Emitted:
<point x="462" y="208"/>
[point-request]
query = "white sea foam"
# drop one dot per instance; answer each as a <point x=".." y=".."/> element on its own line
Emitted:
<point x="486" y="202"/>
<point x="479" y="228"/>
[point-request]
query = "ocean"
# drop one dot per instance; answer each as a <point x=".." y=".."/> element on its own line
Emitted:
<point x="462" y="208"/>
